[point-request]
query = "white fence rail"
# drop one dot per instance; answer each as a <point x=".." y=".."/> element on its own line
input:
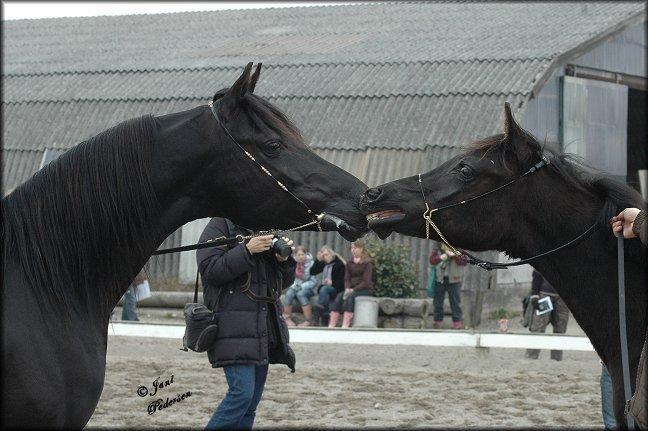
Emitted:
<point x="385" y="337"/>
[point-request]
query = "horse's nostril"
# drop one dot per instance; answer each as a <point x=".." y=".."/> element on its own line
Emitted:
<point x="373" y="194"/>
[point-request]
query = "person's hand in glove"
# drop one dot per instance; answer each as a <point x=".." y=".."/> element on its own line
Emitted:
<point x="534" y="302"/>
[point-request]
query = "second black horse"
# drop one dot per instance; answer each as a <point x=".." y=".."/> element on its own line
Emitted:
<point x="534" y="214"/>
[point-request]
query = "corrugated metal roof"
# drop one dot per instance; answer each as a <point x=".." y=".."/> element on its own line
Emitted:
<point x="17" y="167"/>
<point x="403" y="122"/>
<point x="362" y="32"/>
<point x="343" y="80"/>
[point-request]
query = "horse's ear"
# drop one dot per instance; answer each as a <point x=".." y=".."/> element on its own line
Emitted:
<point x="242" y="84"/>
<point x="514" y="136"/>
<point x="255" y="78"/>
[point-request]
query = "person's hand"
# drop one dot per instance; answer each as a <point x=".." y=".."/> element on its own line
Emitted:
<point x="534" y="302"/>
<point x="327" y="281"/>
<point x="450" y="253"/>
<point x="259" y="244"/>
<point x="289" y="242"/>
<point x="347" y="292"/>
<point x="319" y="256"/>
<point x="624" y="221"/>
<point x="444" y="256"/>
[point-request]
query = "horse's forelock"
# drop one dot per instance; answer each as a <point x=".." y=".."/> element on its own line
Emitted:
<point x="272" y="117"/>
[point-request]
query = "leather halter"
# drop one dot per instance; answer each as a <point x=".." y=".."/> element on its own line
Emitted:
<point x="315" y="219"/>
<point x="474" y="260"/>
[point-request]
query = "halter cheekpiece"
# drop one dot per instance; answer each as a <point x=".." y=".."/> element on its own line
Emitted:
<point x="474" y="260"/>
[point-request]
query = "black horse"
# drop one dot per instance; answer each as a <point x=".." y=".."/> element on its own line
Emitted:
<point x="537" y="213"/>
<point x="81" y="228"/>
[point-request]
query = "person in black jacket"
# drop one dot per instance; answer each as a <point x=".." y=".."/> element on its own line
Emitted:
<point x="332" y="267"/>
<point x="251" y="332"/>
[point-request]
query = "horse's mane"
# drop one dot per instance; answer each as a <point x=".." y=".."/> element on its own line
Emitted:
<point x="95" y="197"/>
<point x="573" y="169"/>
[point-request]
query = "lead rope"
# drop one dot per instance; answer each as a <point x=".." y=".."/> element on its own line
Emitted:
<point x="625" y="363"/>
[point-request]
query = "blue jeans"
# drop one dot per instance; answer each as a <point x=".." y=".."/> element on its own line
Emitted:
<point x="238" y="408"/>
<point x="129" y="310"/>
<point x="326" y="292"/>
<point x="440" y="290"/>
<point x="607" y="409"/>
<point x="301" y="295"/>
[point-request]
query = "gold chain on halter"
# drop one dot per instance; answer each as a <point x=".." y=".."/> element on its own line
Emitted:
<point x="427" y="216"/>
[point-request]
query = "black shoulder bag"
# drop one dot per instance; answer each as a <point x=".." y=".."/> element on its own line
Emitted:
<point x="201" y="325"/>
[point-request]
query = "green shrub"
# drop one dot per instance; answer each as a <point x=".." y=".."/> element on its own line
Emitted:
<point x="394" y="274"/>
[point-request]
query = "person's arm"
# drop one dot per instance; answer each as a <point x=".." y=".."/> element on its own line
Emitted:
<point x="366" y="283"/>
<point x="318" y="267"/>
<point x="347" y="279"/>
<point x="632" y="222"/>
<point x="287" y="269"/>
<point x="640" y="228"/>
<point x="337" y="276"/>
<point x="218" y="265"/>
<point x="435" y="258"/>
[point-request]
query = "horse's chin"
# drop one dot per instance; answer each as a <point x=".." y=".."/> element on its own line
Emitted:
<point x="331" y="222"/>
<point x="383" y="222"/>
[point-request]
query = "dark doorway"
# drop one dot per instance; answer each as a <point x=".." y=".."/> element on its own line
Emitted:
<point x="637" y="137"/>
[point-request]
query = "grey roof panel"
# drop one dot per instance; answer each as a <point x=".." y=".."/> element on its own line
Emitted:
<point x="405" y="122"/>
<point x="325" y="80"/>
<point x="363" y="32"/>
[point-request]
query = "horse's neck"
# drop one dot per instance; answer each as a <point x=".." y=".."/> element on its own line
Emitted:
<point x="584" y="275"/>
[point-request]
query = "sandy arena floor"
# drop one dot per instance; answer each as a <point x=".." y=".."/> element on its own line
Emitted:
<point x="358" y="386"/>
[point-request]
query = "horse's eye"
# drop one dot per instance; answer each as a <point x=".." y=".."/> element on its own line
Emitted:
<point x="272" y="146"/>
<point x="466" y="171"/>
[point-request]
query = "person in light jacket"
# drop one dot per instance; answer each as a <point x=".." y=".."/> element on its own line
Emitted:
<point x="302" y="288"/>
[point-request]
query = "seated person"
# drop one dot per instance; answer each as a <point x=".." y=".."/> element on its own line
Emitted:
<point x="302" y="288"/>
<point x="357" y="282"/>
<point x="331" y="267"/>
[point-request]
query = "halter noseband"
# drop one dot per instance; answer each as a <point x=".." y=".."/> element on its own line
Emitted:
<point x="316" y="219"/>
<point x="474" y="260"/>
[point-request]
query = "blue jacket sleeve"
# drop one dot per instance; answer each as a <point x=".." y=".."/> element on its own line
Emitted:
<point x="217" y="265"/>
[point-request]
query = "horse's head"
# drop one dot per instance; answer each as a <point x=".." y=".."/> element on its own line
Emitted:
<point x="251" y="165"/>
<point x="485" y="165"/>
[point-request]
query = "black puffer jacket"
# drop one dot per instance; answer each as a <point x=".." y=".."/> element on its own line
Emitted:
<point x="249" y="332"/>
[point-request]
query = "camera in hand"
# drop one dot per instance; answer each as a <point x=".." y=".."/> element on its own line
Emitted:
<point x="281" y="247"/>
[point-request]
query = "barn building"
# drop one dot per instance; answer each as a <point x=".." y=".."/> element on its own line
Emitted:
<point x="383" y="90"/>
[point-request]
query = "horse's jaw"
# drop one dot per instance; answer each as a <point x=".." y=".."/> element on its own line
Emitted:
<point x="330" y="222"/>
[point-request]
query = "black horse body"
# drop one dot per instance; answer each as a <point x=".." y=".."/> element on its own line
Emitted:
<point x="543" y="210"/>
<point x="78" y="232"/>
